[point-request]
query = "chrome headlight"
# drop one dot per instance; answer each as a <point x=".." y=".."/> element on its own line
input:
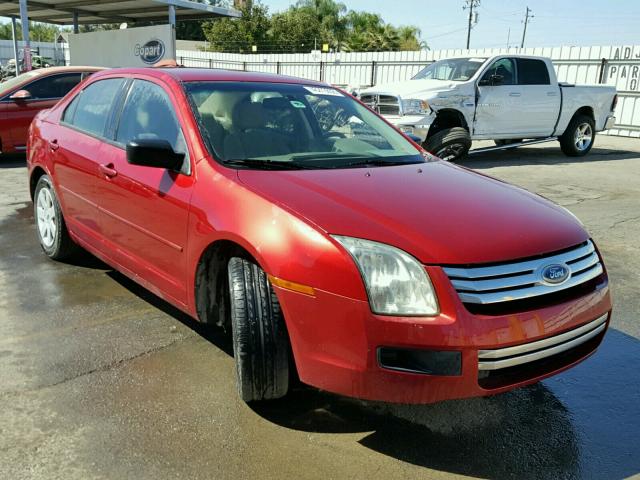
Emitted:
<point x="415" y="107"/>
<point x="396" y="283"/>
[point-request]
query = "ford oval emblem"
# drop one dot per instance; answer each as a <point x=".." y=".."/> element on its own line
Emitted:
<point x="151" y="52"/>
<point x="556" y="273"/>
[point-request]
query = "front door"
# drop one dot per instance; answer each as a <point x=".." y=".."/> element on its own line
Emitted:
<point x="500" y="101"/>
<point x="144" y="210"/>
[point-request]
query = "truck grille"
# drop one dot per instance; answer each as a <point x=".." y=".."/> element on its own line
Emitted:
<point x="382" y="104"/>
<point x="497" y="284"/>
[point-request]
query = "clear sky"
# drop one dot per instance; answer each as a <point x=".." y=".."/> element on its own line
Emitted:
<point x="556" y="22"/>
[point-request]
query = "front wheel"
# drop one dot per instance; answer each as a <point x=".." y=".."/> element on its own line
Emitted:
<point x="260" y="341"/>
<point x="450" y="144"/>
<point x="579" y="136"/>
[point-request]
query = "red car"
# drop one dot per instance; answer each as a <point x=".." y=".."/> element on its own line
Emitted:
<point x="22" y="97"/>
<point x="331" y="245"/>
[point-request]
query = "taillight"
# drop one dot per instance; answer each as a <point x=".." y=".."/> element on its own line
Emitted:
<point x="614" y="104"/>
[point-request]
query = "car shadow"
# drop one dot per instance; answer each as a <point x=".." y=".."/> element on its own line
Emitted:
<point x="550" y="154"/>
<point x="13" y="160"/>
<point x="580" y="424"/>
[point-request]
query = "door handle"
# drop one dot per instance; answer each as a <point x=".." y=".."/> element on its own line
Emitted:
<point x="552" y="94"/>
<point x="515" y="94"/>
<point x="108" y="170"/>
<point x="53" y="145"/>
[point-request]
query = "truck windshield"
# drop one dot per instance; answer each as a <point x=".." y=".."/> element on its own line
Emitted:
<point x="454" y="69"/>
<point x="290" y="126"/>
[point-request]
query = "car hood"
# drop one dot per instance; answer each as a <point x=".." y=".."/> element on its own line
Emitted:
<point x="409" y="88"/>
<point x="438" y="212"/>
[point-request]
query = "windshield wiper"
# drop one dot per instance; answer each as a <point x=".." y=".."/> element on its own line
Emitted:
<point x="267" y="164"/>
<point x="378" y="162"/>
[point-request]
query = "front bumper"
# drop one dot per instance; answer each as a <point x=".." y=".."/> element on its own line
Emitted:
<point x="610" y="122"/>
<point x="336" y="343"/>
<point x="417" y="125"/>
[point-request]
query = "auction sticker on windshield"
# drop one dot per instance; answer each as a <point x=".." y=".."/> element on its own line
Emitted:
<point x="324" y="91"/>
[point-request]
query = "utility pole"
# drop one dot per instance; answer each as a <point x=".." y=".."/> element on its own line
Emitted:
<point x="471" y="4"/>
<point x="527" y="16"/>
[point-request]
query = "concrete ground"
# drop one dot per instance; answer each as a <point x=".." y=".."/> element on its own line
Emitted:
<point x="101" y="379"/>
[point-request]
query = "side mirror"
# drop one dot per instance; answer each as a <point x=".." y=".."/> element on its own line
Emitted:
<point x="21" y="95"/>
<point x="492" y="80"/>
<point x="154" y="152"/>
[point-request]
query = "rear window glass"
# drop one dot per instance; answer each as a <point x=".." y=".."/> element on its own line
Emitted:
<point x="89" y="111"/>
<point x="532" y="72"/>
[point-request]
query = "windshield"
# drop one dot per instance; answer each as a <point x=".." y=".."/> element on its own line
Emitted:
<point x="289" y="126"/>
<point x="15" y="81"/>
<point x="454" y="69"/>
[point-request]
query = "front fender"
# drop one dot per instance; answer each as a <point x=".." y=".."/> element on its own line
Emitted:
<point x="284" y="244"/>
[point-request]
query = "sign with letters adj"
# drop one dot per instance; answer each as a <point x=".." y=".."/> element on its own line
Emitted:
<point x="129" y="47"/>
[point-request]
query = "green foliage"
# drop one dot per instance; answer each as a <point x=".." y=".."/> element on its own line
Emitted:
<point x="228" y="35"/>
<point x="38" y="32"/>
<point x="307" y="25"/>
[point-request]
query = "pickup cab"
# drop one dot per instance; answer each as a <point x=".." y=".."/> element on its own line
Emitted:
<point x="505" y="98"/>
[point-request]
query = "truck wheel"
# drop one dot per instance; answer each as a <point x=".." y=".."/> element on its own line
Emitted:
<point x="579" y="136"/>
<point x="450" y="144"/>
<point x="260" y="342"/>
<point x="52" y="231"/>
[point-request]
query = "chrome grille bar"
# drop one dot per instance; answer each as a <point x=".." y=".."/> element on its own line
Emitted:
<point x="530" y="352"/>
<point x="382" y="104"/>
<point x="522" y="280"/>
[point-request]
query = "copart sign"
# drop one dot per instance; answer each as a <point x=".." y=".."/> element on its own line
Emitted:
<point x="128" y="47"/>
<point x="151" y="52"/>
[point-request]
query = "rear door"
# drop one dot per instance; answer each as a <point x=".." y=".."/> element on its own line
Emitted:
<point x="76" y="145"/>
<point x="499" y="104"/>
<point x="540" y="99"/>
<point x="45" y="93"/>
<point x="144" y="210"/>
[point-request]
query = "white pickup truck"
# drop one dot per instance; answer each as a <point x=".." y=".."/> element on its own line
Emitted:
<point x="505" y="98"/>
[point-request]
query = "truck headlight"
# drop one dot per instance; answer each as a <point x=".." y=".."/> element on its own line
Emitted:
<point x="415" y="107"/>
<point x="396" y="283"/>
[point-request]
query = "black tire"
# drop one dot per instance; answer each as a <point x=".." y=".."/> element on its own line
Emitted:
<point x="580" y="128"/>
<point x="260" y="341"/>
<point x="450" y="144"/>
<point x="55" y="242"/>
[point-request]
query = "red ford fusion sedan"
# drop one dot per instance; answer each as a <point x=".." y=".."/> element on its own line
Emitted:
<point x="328" y="243"/>
<point x="22" y="97"/>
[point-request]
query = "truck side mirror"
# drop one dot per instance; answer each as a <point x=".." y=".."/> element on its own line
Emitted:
<point x="491" y="80"/>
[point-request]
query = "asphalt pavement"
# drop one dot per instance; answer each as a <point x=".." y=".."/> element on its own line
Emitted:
<point x="100" y="379"/>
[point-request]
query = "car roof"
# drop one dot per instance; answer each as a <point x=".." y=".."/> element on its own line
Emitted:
<point x="51" y="70"/>
<point x="184" y="74"/>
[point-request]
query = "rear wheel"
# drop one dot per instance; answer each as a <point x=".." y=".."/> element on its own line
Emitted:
<point x="260" y="342"/>
<point x="52" y="230"/>
<point x="450" y="144"/>
<point x="579" y="136"/>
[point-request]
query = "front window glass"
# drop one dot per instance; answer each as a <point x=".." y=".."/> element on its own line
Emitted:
<point x="8" y="85"/>
<point x="54" y="86"/>
<point x="273" y="125"/>
<point x="503" y="72"/>
<point x="453" y="69"/>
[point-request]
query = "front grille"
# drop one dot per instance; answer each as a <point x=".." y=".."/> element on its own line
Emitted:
<point x="382" y="104"/>
<point x="516" y="281"/>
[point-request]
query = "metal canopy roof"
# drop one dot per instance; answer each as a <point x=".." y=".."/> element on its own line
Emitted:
<point x="62" y="12"/>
